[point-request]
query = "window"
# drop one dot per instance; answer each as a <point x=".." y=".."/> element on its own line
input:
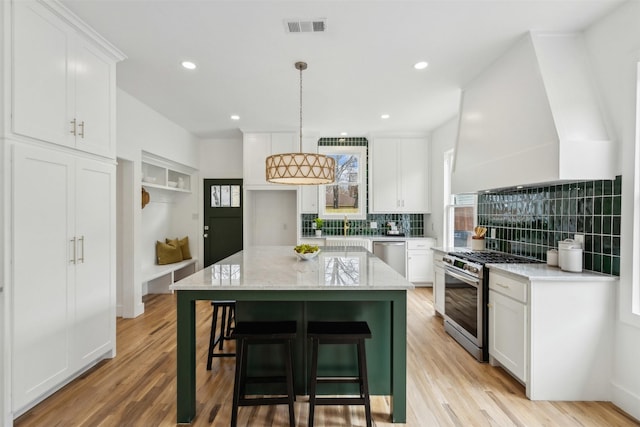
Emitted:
<point x="459" y="210"/>
<point x="347" y="196"/>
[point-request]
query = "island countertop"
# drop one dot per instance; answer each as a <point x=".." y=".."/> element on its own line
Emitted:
<point x="279" y="268"/>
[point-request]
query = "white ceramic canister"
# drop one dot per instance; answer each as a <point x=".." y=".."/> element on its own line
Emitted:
<point x="552" y="257"/>
<point x="478" y="244"/>
<point x="572" y="260"/>
<point x="563" y="247"/>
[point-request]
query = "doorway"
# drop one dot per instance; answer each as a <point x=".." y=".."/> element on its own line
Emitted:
<point x="222" y="219"/>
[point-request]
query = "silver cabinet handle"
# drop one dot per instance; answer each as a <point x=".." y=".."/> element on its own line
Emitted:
<point x="73" y="246"/>
<point x="81" y="126"/>
<point x="73" y="129"/>
<point x="81" y="240"/>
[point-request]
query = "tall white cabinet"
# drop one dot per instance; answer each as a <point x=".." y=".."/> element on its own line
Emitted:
<point x="63" y="84"/>
<point x="63" y="312"/>
<point x="58" y="159"/>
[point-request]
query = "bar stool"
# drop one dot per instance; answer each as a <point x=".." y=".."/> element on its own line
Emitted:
<point x="353" y="333"/>
<point x="228" y="317"/>
<point x="250" y="333"/>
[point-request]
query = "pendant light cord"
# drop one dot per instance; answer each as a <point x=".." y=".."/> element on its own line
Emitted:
<point x="301" y="109"/>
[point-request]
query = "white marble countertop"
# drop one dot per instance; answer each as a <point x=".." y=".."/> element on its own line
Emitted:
<point x="544" y="272"/>
<point x="279" y="268"/>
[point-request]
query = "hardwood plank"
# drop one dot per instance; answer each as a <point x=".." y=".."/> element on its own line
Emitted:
<point x="445" y="385"/>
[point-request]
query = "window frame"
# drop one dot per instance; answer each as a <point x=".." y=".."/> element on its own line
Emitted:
<point x="451" y="202"/>
<point x="361" y="152"/>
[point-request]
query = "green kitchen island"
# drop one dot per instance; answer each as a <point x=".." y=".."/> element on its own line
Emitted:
<point x="271" y="282"/>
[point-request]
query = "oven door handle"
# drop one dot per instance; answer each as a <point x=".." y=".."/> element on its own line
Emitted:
<point x="467" y="279"/>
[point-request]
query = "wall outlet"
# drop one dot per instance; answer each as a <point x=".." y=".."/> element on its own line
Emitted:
<point x="373" y="225"/>
<point x="313" y="225"/>
<point x="579" y="238"/>
<point x="493" y="233"/>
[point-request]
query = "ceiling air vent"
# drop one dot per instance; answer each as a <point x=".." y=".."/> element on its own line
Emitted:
<point x="310" y="26"/>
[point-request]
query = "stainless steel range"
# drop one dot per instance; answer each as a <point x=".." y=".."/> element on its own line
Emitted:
<point x="466" y="292"/>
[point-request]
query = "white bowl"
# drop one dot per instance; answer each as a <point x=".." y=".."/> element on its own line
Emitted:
<point x="172" y="184"/>
<point x="307" y="256"/>
<point x="150" y="179"/>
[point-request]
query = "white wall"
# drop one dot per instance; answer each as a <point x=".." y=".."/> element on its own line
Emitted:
<point x="614" y="46"/>
<point x="139" y="128"/>
<point x="442" y="139"/>
<point x="221" y="158"/>
<point x="262" y="227"/>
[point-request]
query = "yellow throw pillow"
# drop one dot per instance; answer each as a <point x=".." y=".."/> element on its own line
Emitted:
<point x="167" y="254"/>
<point x="183" y="244"/>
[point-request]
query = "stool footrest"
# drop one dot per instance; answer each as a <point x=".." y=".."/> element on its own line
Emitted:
<point x="266" y="380"/>
<point x="259" y="401"/>
<point x="339" y="401"/>
<point x="337" y="380"/>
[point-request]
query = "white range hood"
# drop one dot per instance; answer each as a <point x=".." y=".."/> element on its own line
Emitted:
<point x="533" y="117"/>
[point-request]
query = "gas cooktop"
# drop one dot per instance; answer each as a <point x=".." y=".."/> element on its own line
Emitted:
<point x="493" y="257"/>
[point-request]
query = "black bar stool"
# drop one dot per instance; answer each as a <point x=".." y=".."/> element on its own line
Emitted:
<point x="228" y="318"/>
<point x="250" y="333"/>
<point x="339" y="333"/>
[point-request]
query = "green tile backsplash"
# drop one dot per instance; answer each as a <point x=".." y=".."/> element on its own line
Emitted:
<point x="530" y="221"/>
<point x="409" y="224"/>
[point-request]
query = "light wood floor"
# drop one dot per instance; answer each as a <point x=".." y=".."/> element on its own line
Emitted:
<point x="445" y="386"/>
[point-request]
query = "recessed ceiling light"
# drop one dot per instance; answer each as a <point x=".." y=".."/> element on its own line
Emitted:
<point x="343" y="134"/>
<point x="421" y="65"/>
<point x="385" y="116"/>
<point x="235" y="117"/>
<point x="189" y="65"/>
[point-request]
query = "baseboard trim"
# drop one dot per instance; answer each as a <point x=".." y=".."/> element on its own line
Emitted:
<point x="626" y="400"/>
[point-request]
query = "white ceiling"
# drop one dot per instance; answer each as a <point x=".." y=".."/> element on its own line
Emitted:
<point x="361" y="67"/>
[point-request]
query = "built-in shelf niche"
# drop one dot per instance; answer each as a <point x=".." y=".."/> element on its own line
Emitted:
<point x="164" y="174"/>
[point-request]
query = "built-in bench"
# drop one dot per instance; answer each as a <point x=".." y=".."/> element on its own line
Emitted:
<point x="157" y="278"/>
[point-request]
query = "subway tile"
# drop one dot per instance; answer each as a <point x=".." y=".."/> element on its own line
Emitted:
<point x="533" y="220"/>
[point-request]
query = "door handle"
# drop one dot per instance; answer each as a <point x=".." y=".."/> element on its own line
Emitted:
<point x="73" y="248"/>
<point x="206" y="235"/>
<point x="81" y="240"/>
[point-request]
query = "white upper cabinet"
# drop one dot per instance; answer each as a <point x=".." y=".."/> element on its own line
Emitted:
<point x="399" y="175"/>
<point x="257" y="147"/>
<point x="309" y="193"/>
<point x="63" y="79"/>
<point x="532" y="117"/>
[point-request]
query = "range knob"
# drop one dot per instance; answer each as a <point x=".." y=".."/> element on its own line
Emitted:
<point x="447" y="260"/>
<point x="471" y="268"/>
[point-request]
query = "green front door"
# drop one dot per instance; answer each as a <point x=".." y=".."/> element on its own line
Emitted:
<point x="222" y="219"/>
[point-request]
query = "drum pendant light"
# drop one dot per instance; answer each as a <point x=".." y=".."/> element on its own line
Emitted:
<point x="300" y="168"/>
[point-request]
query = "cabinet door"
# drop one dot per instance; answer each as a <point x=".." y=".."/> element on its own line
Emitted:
<point x="256" y="148"/>
<point x="93" y="100"/>
<point x="43" y="267"/>
<point x="41" y="77"/>
<point x="507" y="333"/>
<point x="413" y="168"/>
<point x="284" y="143"/>
<point x="95" y="281"/>
<point x="309" y="193"/>
<point x="438" y="289"/>
<point x="419" y="265"/>
<point x="384" y="176"/>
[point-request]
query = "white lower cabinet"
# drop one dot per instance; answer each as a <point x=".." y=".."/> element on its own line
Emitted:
<point x="63" y="286"/>
<point x="553" y="331"/>
<point x="507" y="333"/>
<point x="438" y="283"/>
<point x="419" y="260"/>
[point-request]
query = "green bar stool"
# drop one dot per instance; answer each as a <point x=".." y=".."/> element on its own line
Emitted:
<point x="248" y="334"/>
<point x="347" y="333"/>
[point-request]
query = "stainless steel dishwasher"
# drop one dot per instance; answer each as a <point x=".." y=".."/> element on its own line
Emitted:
<point x="393" y="253"/>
